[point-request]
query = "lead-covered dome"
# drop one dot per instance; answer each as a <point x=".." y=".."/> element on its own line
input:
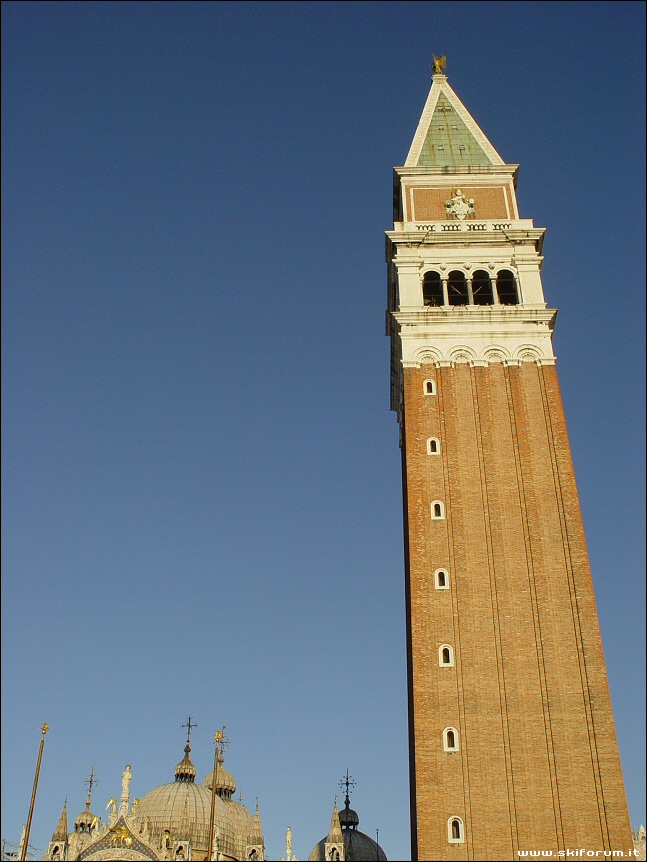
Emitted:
<point x="86" y="820"/>
<point x="348" y="818"/>
<point x="181" y="809"/>
<point x="357" y="846"/>
<point x="225" y="781"/>
<point x="343" y="828"/>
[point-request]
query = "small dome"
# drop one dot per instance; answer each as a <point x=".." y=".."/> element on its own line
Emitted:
<point x="348" y="818"/>
<point x="84" y="821"/>
<point x="185" y="770"/>
<point x="225" y="781"/>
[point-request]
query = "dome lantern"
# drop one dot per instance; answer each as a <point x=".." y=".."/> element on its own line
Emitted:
<point x="185" y="770"/>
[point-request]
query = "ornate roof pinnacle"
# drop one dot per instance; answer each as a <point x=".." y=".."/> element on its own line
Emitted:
<point x="60" y="833"/>
<point x="256" y="835"/>
<point x="334" y="833"/>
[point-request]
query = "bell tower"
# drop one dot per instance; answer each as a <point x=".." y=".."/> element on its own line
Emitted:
<point x="512" y="739"/>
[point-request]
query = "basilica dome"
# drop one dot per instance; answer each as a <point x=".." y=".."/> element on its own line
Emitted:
<point x="172" y="821"/>
<point x="177" y="808"/>
<point x="357" y="846"/>
<point x="344" y="840"/>
<point x="182" y="809"/>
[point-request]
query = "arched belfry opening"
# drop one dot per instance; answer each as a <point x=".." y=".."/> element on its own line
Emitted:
<point x="432" y="289"/>
<point x="457" y="288"/>
<point x="482" y="288"/>
<point x="506" y="288"/>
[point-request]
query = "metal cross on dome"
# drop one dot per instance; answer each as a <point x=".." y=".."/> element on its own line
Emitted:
<point x="189" y="727"/>
<point x="347" y="782"/>
<point x="91" y="781"/>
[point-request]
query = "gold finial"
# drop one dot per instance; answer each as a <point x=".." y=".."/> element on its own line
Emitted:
<point x="439" y="64"/>
<point x="44" y="728"/>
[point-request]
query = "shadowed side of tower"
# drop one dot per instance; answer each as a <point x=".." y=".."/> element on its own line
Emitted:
<point x="512" y="740"/>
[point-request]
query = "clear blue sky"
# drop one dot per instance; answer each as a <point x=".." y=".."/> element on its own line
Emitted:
<point x="202" y="508"/>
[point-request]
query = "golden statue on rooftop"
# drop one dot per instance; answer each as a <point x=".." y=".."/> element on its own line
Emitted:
<point x="439" y="64"/>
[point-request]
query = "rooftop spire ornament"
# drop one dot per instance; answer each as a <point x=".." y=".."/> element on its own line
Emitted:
<point x="189" y="727"/>
<point x="347" y="782"/>
<point x="90" y="781"/>
<point x="439" y="64"/>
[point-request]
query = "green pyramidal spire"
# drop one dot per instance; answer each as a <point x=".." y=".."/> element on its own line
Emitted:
<point x="449" y="141"/>
<point x="447" y="135"/>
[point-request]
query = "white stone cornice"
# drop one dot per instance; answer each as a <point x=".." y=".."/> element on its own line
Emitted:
<point x="441" y="170"/>
<point x="520" y="232"/>
<point x="445" y="318"/>
<point x="476" y="334"/>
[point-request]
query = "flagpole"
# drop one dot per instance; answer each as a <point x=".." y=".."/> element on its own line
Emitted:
<point x="220" y="741"/>
<point x="23" y="849"/>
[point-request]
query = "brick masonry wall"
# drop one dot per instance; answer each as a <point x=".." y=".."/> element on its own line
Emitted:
<point x="489" y="202"/>
<point x="538" y="766"/>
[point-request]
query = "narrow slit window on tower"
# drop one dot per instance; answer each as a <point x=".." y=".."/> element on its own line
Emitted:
<point x="455" y="830"/>
<point x="432" y="289"/>
<point x="441" y="578"/>
<point x="506" y="286"/>
<point x="482" y="288"/>
<point x="450" y="739"/>
<point x="437" y="510"/>
<point x="429" y="387"/>
<point x="457" y="288"/>
<point x="433" y="446"/>
<point x="446" y="656"/>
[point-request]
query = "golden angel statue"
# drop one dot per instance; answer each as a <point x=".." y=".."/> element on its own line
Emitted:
<point x="439" y="64"/>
